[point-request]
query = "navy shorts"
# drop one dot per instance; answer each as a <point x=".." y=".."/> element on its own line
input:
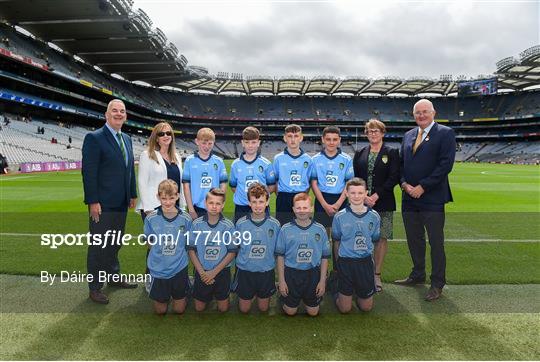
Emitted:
<point x="302" y="286"/>
<point x="219" y="290"/>
<point x="162" y="290"/>
<point x="356" y="276"/>
<point x="254" y="284"/>
<point x="284" y="204"/>
<point x="320" y="215"/>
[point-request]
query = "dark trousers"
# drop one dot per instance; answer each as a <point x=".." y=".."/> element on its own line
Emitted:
<point x="417" y="223"/>
<point x="101" y="258"/>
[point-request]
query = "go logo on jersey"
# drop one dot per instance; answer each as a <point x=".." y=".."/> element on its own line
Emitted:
<point x="304" y="254"/>
<point x="331" y="179"/>
<point x="295" y="179"/>
<point x="211" y="253"/>
<point x="257" y="251"/>
<point x="250" y="181"/>
<point x="206" y="181"/>
<point x="360" y="242"/>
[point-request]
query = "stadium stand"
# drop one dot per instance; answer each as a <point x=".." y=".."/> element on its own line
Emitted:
<point x="48" y="84"/>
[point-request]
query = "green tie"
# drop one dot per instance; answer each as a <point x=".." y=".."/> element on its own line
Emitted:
<point x="121" y="142"/>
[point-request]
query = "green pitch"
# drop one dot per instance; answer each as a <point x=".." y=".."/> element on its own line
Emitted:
<point x="488" y="311"/>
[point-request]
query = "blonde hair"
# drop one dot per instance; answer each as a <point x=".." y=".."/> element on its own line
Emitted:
<point x="153" y="144"/>
<point x="216" y="191"/>
<point x="168" y="188"/>
<point x="206" y="134"/>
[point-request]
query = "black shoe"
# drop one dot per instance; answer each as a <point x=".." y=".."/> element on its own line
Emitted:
<point x="433" y="294"/>
<point x="97" y="296"/>
<point x="123" y="285"/>
<point x="409" y="281"/>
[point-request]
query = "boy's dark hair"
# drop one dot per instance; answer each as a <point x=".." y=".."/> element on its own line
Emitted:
<point x="257" y="190"/>
<point x="293" y="128"/>
<point x="331" y="129"/>
<point x="168" y="188"/>
<point x="216" y="191"/>
<point x="355" y="181"/>
<point x="250" y="133"/>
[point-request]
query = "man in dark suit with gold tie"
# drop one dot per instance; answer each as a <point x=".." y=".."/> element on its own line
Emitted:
<point x="427" y="155"/>
<point x="109" y="190"/>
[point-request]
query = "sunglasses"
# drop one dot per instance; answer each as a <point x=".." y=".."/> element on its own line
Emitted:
<point x="161" y="134"/>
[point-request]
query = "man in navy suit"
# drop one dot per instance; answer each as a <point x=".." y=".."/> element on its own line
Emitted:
<point x="427" y="156"/>
<point x="109" y="189"/>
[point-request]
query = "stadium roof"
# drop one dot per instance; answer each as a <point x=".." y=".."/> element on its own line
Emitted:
<point x="121" y="40"/>
<point x="106" y="33"/>
<point x="512" y="73"/>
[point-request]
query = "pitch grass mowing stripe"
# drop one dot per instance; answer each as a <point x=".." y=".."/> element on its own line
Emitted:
<point x="467" y="263"/>
<point x="72" y="297"/>
<point x="469" y="323"/>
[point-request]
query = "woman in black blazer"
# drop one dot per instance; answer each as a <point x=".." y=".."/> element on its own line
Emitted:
<point x="379" y="166"/>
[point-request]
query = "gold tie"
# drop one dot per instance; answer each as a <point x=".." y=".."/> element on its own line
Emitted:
<point x="418" y="140"/>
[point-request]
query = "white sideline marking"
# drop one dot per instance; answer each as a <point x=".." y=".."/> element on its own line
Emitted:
<point x="448" y="240"/>
<point x="8" y="178"/>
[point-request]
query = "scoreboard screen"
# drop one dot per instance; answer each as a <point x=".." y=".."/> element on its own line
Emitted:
<point x="477" y="87"/>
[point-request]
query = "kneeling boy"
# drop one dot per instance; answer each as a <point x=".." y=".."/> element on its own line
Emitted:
<point x="255" y="262"/>
<point x="211" y="250"/>
<point x="167" y="261"/>
<point x="302" y="259"/>
<point x="354" y="230"/>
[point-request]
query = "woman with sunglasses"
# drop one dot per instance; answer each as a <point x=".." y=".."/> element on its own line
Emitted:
<point x="157" y="163"/>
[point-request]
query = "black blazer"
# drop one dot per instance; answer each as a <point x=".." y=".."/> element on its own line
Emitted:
<point x="385" y="174"/>
<point x="429" y="166"/>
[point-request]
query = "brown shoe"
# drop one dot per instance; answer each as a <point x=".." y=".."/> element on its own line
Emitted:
<point x="433" y="294"/>
<point x="97" y="296"/>
<point x="123" y="285"/>
<point x="408" y="281"/>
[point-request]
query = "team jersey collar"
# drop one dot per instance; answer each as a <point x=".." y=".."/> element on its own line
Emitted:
<point x="202" y="159"/>
<point x="257" y="223"/>
<point x="303" y="227"/>
<point x="287" y="153"/>
<point x="249" y="162"/>
<point x="205" y="218"/>
<point x="368" y="209"/>
<point x="160" y="212"/>
<point x="331" y="158"/>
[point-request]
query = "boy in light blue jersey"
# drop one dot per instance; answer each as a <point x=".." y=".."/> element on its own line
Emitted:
<point x="302" y="259"/>
<point x="332" y="168"/>
<point x="165" y="230"/>
<point x="212" y="247"/>
<point x="354" y="230"/>
<point x="292" y="169"/>
<point x="202" y="172"/>
<point x="255" y="261"/>
<point x="250" y="168"/>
